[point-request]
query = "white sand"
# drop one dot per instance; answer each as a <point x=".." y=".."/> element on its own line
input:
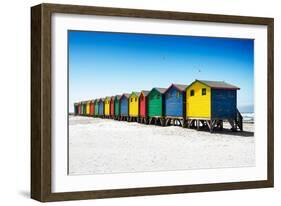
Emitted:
<point x="108" y="146"/>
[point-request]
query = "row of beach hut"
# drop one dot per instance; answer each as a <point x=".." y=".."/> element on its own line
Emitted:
<point x="200" y="104"/>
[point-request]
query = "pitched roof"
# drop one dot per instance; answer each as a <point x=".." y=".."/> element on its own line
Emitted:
<point x="118" y="96"/>
<point x="136" y="93"/>
<point x="181" y="87"/>
<point x="161" y="90"/>
<point x="218" y="84"/>
<point x="145" y="92"/>
<point x="126" y="95"/>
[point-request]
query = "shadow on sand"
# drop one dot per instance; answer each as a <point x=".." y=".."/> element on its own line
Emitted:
<point x="229" y="132"/>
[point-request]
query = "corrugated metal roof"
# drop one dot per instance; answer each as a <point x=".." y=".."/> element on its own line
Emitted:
<point x="145" y="92"/>
<point x="126" y="95"/>
<point x="181" y="86"/>
<point x="161" y="90"/>
<point x="118" y="96"/>
<point x="136" y="93"/>
<point x="218" y="84"/>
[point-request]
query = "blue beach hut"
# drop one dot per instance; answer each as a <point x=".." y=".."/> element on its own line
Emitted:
<point x="124" y="106"/>
<point x="175" y="100"/>
<point x="101" y="107"/>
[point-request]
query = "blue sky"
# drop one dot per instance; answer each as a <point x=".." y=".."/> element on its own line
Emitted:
<point x="105" y="64"/>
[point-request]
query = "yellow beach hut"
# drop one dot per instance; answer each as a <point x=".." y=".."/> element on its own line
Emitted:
<point x="134" y="106"/>
<point x="88" y="108"/>
<point x="209" y="103"/>
<point x="107" y="107"/>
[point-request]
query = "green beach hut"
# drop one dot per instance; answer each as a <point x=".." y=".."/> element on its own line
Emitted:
<point x="155" y="106"/>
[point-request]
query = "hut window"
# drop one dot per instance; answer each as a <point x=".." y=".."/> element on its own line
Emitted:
<point x="131" y="99"/>
<point x="192" y="92"/>
<point x="158" y="96"/>
<point x="203" y="91"/>
<point x="135" y="99"/>
<point x="177" y="94"/>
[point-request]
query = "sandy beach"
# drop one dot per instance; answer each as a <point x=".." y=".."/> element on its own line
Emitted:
<point x="98" y="146"/>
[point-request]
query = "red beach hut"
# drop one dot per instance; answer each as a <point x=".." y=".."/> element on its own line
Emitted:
<point x="92" y="108"/>
<point x="112" y="107"/>
<point x="143" y="106"/>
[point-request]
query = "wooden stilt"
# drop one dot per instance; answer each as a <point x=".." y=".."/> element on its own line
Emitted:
<point x="162" y="122"/>
<point x="209" y="124"/>
<point x="184" y="123"/>
<point x="145" y="120"/>
<point x="156" y="121"/>
<point x="181" y="123"/>
<point x="189" y="123"/>
<point x="233" y="124"/>
<point x="167" y="122"/>
<point x="193" y="124"/>
<point x="220" y="125"/>
<point x="212" y="126"/>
